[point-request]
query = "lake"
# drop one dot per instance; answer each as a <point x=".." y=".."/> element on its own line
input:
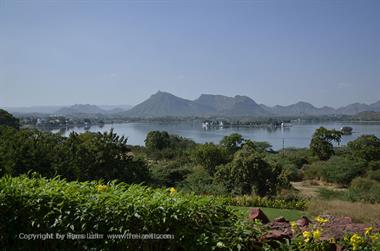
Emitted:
<point x="299" y="135"/>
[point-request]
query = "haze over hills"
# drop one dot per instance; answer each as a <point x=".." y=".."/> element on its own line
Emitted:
<point x="34" y="109"/>
<point x="299" y="109"/>
<point x="81" y="109"/>
<point x="232" y="106"/>
<point x="164" y="104"/>
<point x="64" y="110"/>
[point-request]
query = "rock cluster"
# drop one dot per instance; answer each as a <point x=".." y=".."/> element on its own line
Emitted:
<point x="334" y="228"/>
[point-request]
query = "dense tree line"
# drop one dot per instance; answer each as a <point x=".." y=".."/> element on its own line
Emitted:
<point x="84" y="156"/>
<point x="235" y="166"/>
<point x="7" y="119"/>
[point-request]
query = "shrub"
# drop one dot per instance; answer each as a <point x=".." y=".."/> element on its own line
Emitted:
<point x="257" y="201"/>
<point x="39" y="205"/>
<point x="169" y="173"/>
<point x="366" y="147"/>
<point x="200" y="182"/>
<point x="374" y="175"/>
<point x="210" y="156"/>
<point x="249" y="173"/>
<point x="80" y="156"/>
<point x="162" y="145"/>
<point x="337" y="170"/>
<point x="363" y="189"/>
<point x="7" y="119"/>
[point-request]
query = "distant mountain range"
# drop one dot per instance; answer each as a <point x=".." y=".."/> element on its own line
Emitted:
<point x="164" y="104"/>
<point x="70" y="110"/>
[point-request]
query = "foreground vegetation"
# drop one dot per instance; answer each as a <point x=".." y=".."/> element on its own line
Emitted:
<point x="37" y="205"/>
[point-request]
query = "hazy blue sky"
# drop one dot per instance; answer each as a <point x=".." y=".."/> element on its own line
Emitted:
<point x="120" y="52"/>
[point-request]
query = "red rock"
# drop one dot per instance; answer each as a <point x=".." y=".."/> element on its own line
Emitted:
<point x="257" y="214"/>
<point x="280" y="219"/>
<point x="303" y="222"/>
<point x="276" y="235"/>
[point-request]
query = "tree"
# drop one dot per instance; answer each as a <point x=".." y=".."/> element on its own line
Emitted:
<point x="321" y="142"/>
<point x="84" y="156"/>
<point x="232" y="142"/>
<point x="156" y="140"/>
<point x="249" y="172"/>
<point x="210" y="156"/>
<point x="102" y="156"/>
<point x="366" y="147"/>
<point x="7" y="119"/>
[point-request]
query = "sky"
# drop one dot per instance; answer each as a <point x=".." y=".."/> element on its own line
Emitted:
<point x="55" y="52"/>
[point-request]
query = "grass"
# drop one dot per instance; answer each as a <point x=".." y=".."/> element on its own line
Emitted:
<point x="272" y="213"/>
<point x="311" y="188"/>
<point x="359" y="212"/>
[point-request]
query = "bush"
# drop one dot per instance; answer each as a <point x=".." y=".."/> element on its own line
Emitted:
<point x="366" y="147"/>
<point x="7" y="119"/>
<point x="360" y="190"/>
<point x="200" y="182"/>
<point x="78" y="157"/>
<point x="374" y="175"/>
<point x="39" y="205"/>
<point x="210" y="156"/>
<point x="249" y="173"/>
<point x="338" y="170"/>
<point x="169" y="173"/>
<point x="365" y="190"/>
<point x="162" y="145"/>
<point x="257" y="201"/>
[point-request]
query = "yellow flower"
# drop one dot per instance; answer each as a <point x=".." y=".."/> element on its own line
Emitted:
<point x="316" y="234"/>
<point x="368" y="230"/>
<point x="321" y="220"/>
<point x="307" y="236"/>
<point x="172" y="190"/>
<point x="293" y="225"/>
<point x="356" y="240"/>
<point x="101" y="188"/>
<point x="375" y="237"/>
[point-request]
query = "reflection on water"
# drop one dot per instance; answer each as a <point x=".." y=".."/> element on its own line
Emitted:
<point x="298" y="135"/>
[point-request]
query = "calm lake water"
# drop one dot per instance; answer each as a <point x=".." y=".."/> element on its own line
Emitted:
<point x="298" y="135"/>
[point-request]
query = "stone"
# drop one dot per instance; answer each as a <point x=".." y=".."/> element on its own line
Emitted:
<point x="303" y="222"/>
<point x="257" y="214"/>
<point x="280" y="219"/>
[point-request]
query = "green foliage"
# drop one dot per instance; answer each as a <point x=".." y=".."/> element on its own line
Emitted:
<point x="321" y="142"/>
<point x="38" y="205"/>
<point x="199" y="181"/>
<point x="28" y="150"/>
<point x="156" y="140"/>
<point x="291" y="160"/>
<point x="85" y="156"/>
<point x="248" y="172"/>
<point x="338" y="170"/>
<point x="363" y="189"/>
<point x="360" y="190"/>
<point x="169" y="173"/>
<point x="257" y="201"/>
<point x="232" y="142"/>
<point x="366" y="147"/>
<point x="210" y="156"/>
<point x="374" y="175"/>
<point x="162" y="145"/>
<point x="7" y="119"/>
